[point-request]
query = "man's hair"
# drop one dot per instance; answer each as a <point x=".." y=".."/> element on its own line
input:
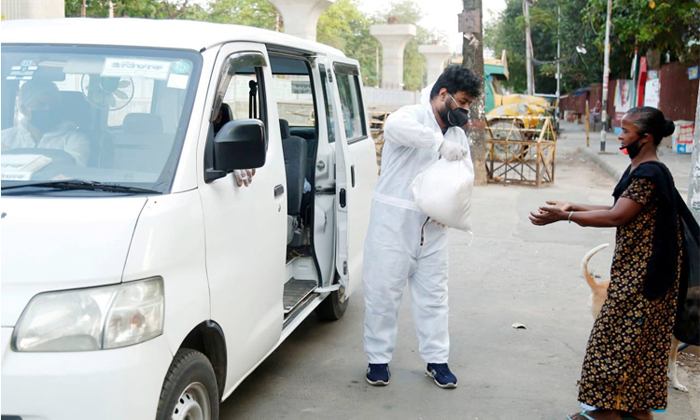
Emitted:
<point x="33" y="88"/>
<point x="455" y="79"/>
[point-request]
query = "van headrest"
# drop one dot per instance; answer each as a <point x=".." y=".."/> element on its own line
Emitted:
<point x="284" y="129"/>
<point x="142" y="123"/>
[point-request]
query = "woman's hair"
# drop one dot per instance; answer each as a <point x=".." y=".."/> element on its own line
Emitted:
<point x="456" y="78"/>
<point x="650" y="120"/>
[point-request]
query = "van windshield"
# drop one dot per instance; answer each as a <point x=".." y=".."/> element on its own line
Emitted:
<point x="106" y="115"/>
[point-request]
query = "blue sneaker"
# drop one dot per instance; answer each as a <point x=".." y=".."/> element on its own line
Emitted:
<point x="378" y="374"/>
<point x="441" y="373"/>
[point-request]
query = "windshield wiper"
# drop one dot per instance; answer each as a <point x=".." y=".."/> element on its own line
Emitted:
<point x="73" y="184"/>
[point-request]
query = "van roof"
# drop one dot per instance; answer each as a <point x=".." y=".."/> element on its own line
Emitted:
<point x="181" y="34"/>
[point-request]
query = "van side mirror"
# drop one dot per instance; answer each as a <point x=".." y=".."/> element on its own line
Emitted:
<point x="240" y="144"/>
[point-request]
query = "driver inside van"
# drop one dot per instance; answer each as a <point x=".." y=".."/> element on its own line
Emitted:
<point x="43" y="127"/>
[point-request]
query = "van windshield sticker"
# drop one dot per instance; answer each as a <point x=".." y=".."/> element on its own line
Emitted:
<point x="181" y="67"/>
<point x="178" y="81"/>
<point x="135" y="67"/>
<point x="25" y="71"/>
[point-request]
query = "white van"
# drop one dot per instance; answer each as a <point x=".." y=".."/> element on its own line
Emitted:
<point x="139" y="281"/>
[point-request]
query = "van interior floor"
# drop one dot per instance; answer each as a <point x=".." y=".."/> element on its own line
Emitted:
<point x="295" y="291"/>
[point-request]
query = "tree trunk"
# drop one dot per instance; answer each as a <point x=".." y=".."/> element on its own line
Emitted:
<point x="473" y="52"/>
<point x="83" y="9"/>
<point x="694" y="188"/>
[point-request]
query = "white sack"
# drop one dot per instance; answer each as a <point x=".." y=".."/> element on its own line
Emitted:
<point x="444" y="192"/>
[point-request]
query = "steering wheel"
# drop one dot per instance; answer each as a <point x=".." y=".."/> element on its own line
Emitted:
<point x="58" y="157"/>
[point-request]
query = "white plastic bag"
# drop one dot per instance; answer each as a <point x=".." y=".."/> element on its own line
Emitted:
<point x="444" y="192"/>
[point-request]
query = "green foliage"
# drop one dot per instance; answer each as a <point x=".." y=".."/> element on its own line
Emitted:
<point x="258" y="13"/>
<point x="508" y="33"/>
<point x="344" y="27"/>
<point x="665" y="25"/>
<point x="151" y="9"/>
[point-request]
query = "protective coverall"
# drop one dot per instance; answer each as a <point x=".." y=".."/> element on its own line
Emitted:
<point x="402" y="244"/>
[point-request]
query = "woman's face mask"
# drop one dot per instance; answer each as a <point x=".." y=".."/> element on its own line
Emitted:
<point x="632" y="149"/>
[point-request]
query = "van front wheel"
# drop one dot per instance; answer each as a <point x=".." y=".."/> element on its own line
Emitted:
<point x="332" y="309"/>
<point x="189" y="390"/>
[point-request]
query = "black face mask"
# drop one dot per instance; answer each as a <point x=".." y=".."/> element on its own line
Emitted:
<point x="633" y="148"/>
<point x="455" y="117"/>
<point x="45" y="119"/>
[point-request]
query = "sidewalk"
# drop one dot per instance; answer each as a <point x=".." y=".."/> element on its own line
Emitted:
<point x="612" y="161"/>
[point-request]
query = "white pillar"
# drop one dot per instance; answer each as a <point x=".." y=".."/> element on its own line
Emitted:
<point x="393" y="39"/>
<point x="435" y="55"/>
<point x="301" y="16"/>
<point x="33" y="9"/>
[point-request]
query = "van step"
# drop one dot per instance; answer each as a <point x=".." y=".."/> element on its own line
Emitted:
<point x="295" y="291"/>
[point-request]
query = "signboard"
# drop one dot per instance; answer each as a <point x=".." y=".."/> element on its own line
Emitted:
<point x="651" y="93"/>
<point x="301" y="87"/>
<point x="469" y="22"/>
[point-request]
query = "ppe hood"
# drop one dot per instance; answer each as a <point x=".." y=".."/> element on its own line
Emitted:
<point x="62" y="243"/>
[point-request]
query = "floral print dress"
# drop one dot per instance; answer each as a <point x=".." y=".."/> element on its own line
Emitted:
<point x="626" y="360"/>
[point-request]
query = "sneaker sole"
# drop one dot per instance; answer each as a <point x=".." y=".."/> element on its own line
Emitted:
<point x="376" y="383"/>
<point x="445" y="386"/>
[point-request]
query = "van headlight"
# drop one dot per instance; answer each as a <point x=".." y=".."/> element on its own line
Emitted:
<point x="92" y="319"/>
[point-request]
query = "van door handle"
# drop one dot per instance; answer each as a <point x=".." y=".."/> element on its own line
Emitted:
<point x="279" y="190"/>
<point x="352" y="175"/>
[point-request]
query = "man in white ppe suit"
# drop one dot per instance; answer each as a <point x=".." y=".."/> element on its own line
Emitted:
<point x="403" y="244"/>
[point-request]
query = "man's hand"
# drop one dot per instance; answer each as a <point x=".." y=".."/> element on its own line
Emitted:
<point x="244" y="177"/>
<point x="452" y="151"/>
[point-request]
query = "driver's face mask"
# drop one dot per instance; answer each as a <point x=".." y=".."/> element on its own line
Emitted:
<point x="46" y="120"/>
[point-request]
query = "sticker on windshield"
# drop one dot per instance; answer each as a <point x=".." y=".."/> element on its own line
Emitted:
<point x="181" y="67"/>
<point x="136" y="67"/>
<point x="178" y="81"/>
<point x="25" y="71"/>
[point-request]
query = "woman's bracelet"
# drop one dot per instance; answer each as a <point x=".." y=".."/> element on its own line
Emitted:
<point x="571" y="213"/>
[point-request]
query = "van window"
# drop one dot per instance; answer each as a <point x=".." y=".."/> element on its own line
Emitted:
<point x="243" y="91"/>
<point x="109" y="115"/>
<point x="351" y="102"/>
<point x="328" y="99"/>
<point x="295" y="102"/>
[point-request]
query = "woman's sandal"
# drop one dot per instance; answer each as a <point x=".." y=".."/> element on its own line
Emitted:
<point x="581" y="416"/>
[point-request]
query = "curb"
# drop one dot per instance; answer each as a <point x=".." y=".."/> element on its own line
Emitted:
<point x="606" y="166"/>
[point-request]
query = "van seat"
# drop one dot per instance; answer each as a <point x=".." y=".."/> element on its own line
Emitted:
<point x="294" y="149"/>
<point x="142" y="146"/>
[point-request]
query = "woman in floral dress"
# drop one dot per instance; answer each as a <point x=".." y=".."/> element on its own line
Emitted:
<point x="625" y="368"/>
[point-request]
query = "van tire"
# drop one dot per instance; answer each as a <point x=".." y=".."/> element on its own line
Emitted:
<point x="331" y="309"/>
<point x="190" y="371"/>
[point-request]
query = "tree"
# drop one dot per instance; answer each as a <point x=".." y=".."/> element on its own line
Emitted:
<point x="671" y="26"/>
<point x="258" y="13"/>
<point x="508" y="32"/>
<point x="346" y="28"/>
<point x="151" y="9"/>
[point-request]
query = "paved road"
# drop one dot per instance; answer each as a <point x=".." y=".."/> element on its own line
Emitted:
<point x="512" y="272"/>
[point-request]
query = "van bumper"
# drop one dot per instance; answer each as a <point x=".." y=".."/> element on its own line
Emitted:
<point x="108" y="384"/>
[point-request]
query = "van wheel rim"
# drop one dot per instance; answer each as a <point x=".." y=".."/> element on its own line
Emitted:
<point x="193" y="404"/>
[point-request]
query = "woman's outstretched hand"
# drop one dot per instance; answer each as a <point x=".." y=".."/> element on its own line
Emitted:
<point x="563" y="205"/>
<point x="547" y="215"/>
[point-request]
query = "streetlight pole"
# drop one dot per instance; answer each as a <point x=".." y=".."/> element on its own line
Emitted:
<point x="528" y="48"/>
<point x="558" y="56"/>
<point x="606" y="78"/>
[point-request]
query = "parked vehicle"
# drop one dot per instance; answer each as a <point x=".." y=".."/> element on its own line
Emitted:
<point x="146" y="283"/>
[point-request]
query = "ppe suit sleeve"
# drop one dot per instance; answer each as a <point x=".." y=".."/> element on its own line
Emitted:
<point x="406" y="128"/>
<point x="77" y="145"/>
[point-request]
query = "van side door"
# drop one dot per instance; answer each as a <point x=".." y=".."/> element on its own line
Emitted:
<point x="356" y="168"/>
<point x="245" y="226"/>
